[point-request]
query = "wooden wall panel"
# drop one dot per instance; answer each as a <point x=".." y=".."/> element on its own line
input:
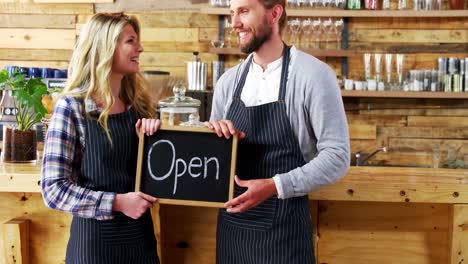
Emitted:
<point x="382" y="233"/>
<point x="49" y="229"/>
<point x="425" y="132"/>
<point x="148" y="6"/>
<point x="408" y="23"/>
<point x="362" y="131"/>
<point x="170" y="34"/>
<point x="433" y="121"/>
<point x="73" y="1"/>
<point x="31" y="8"/>
<point x="191" y="237"/>
<point x="37" y="21"/>
<point x="35" y="54"/>
<point x="28" y="38"/>
<point x="411" y="35"/>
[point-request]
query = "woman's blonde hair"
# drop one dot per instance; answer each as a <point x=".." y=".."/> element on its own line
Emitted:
<point x="91" y="67"/>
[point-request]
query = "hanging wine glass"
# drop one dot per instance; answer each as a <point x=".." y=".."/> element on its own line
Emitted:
<point x="327" y="27"/>
<point x="228" y="32"/>
<point x="295" y="30"/>
<point x="339" y="24"/>
<point x="307" y="30"/>
<point x="317" y="29"/>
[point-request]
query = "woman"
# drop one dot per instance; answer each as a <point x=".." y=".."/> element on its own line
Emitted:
<point x="91" y="146"/>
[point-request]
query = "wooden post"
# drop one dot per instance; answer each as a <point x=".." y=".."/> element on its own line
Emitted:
<point x="314" y="214"/>
<point x="458" y="233"/>
<point x="155" y="213"/>
<point x="15" y="236"/>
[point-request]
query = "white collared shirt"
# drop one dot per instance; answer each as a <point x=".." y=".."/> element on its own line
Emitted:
<point x="262" y="87"/>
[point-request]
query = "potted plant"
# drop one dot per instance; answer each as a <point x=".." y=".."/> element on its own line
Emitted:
<point x="19" y="141"/>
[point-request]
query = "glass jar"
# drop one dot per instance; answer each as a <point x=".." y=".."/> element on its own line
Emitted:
<point x="19" y="145"/>
<point x="178" y="108"/>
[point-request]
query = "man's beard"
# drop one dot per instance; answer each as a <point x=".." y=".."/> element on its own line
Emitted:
<point x="257" y="41"/>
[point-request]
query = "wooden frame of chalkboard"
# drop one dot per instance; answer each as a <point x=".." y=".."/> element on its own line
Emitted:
<point x="200" y="139"/>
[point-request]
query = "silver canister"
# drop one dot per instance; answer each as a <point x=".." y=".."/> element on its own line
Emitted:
<point x="442" y="69"/>
<point x="427" y="80"/>
<point x="442" y="63"/>
<point x="457" y="84"/>
<point x="466" y="74"/>
<point x="197" y="73"/>
<point x="434" y="80"/>
<point x="453" y="65"/>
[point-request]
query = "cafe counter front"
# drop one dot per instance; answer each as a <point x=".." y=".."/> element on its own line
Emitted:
<point x="372" y="215"/>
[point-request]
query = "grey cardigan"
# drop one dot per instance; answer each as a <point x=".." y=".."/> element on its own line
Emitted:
<point x="316" y="113"/>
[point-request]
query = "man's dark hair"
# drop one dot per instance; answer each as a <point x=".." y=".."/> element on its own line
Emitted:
<point x="268" y="4"/>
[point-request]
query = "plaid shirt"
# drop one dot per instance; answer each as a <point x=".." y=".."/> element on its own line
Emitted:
<point x="61" y="165"/>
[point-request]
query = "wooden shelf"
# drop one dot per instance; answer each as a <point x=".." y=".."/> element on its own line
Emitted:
<point x="351" y="13"/>
<point x="313" y="52"/>
<point x="398" y="94"/>
<point x="375" y="13"/>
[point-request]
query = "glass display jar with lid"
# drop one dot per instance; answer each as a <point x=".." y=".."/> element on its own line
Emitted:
<point x="178" y="108"/>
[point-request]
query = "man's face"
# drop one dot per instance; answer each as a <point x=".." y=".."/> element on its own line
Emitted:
<point x="251" y="22"/>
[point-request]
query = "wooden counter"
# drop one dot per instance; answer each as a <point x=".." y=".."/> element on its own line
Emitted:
<point x="373" y="184"/>
<point x="371" y="215"/>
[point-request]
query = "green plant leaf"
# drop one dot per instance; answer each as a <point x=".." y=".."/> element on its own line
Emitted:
<point x="4" y="77"/>
<point x="28" y="95"/>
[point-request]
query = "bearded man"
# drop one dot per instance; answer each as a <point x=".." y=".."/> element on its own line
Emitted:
<point x="286" y="107"/>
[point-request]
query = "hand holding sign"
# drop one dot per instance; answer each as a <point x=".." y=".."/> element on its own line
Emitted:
<point x="224" y="127"/>
<point x="133" y="204"/>
<point x="258" y="190"/>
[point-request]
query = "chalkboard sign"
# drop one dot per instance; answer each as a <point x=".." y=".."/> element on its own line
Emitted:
<point x="187" y="166"/>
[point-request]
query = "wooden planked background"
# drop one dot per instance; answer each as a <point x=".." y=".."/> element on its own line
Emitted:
<point x="43" y="35"/>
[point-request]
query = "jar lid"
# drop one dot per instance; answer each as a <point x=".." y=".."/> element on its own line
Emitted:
<point x="179" y="99"/>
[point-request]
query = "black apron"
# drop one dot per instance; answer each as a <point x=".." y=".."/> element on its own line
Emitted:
<point x="112" y="169"/>
<point x="275" y="231"/>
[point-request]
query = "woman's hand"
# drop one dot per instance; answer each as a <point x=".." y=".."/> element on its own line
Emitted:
<point x="133" y="204"/>
<point x="148" y="125"/>
<point x="224" y="128"/>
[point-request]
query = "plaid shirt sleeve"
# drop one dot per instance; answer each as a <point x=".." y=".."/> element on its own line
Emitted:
<point x="61" y="166"/>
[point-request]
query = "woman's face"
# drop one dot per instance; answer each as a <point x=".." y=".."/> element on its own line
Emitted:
<point x="127" y="52"/>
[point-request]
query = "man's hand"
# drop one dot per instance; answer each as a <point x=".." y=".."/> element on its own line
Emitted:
<point x="133" y="204"/>
<point x="224" y="127"/>
<point x="258" y="191"/>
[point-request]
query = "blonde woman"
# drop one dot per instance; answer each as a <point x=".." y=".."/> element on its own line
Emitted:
<point x="91" y="147"/>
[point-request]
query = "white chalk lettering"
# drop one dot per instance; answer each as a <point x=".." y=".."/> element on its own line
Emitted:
<point x="179" y="174"/>
<point x="180" y="165"/>
<point x="206" y="167"/>
<point x="192" y="165"/>
<point x="150" y="170"/>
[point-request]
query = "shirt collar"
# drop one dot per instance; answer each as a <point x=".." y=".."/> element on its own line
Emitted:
<point x="91" y="107"/>
<point x="272" y="66"/>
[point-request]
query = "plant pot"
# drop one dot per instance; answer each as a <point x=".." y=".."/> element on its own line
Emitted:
<point x="18" y="145"/>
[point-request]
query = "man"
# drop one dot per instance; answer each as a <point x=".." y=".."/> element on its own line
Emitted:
<point x="286" y="107"/>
